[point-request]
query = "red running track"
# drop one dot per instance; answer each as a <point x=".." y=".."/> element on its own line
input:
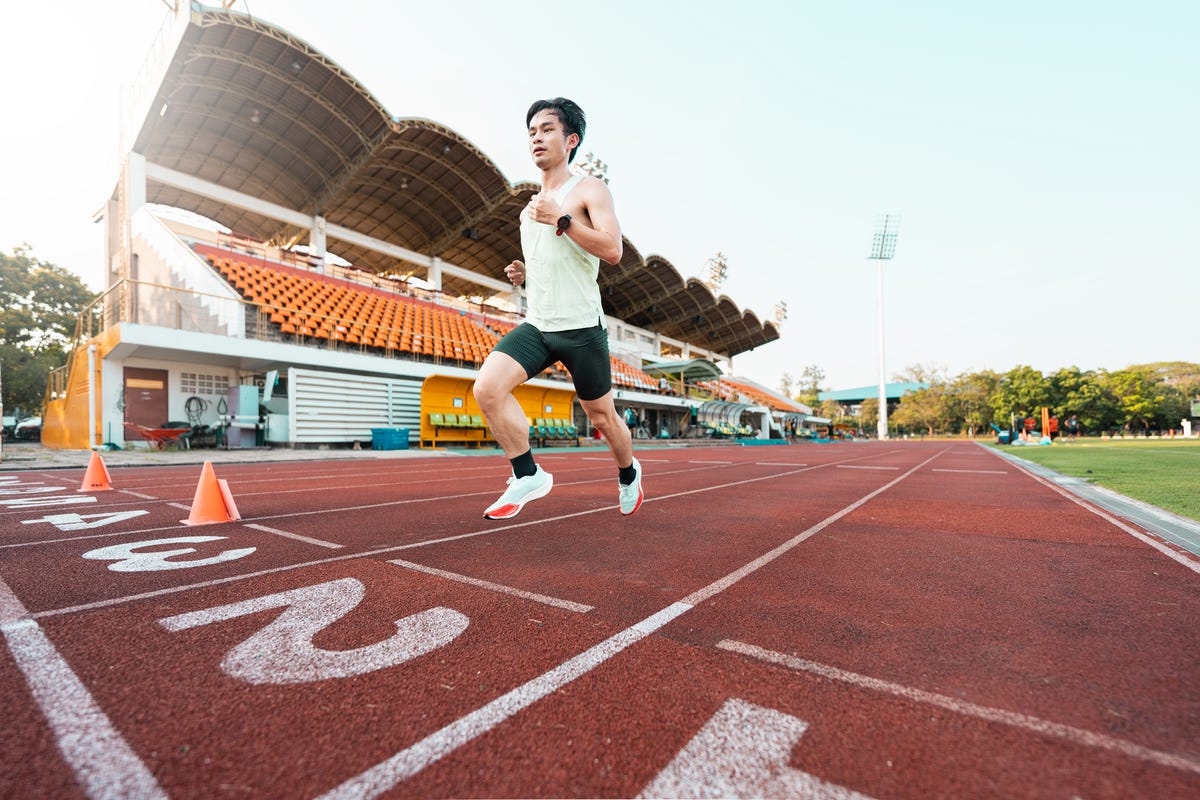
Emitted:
<point x="884" y="620"/>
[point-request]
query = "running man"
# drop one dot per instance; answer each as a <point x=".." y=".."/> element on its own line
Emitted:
<point x="566" y="229"/>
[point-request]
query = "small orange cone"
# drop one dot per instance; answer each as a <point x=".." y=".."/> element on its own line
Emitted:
<point x="213" y="502"/>
<point x="96" y="479"/>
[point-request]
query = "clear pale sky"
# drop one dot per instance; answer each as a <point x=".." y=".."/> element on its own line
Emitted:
<point x="1045" y="157"/>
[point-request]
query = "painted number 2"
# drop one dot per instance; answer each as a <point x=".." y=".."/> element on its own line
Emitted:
<point x="283" y="651"/>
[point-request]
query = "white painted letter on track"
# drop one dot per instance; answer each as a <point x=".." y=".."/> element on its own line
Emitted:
<point x="743" y="751"/>
<point x="283" y="651"/>
<point x="129" y="561"/>
<point x="78" y="522"/>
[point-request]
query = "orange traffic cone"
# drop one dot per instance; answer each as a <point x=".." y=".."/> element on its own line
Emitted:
<point x="213" y="502"/>
<point x="96" y="479"/>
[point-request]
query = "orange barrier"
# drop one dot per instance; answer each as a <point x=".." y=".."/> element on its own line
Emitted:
<point x="213" y="502"/>
<point x="96" y="479"/>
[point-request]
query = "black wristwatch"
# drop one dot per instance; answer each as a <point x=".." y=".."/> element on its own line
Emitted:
<point x="564" y="222"/>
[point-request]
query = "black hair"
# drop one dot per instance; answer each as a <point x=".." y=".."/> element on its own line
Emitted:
<point x="569" y="114"/>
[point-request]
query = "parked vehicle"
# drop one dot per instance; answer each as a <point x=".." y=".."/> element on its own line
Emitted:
<point x="28" y="430"/>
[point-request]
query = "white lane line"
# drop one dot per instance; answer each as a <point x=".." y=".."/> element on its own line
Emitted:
<point x="101" y="759"/>
<point x="975" y="471"/>
<point x="137" y="494"/>
<point x="858" y="466"/>
<point x="408" y="762"/>
<point x="1170" y="553"/>
<point x="297" y="537"/>
<point x="495" y="587"/>
<point x="777" y="464"/>
<point x="692" y="461"/>
<point x="387" y="774"/>
<point x="721" y="584"/>
<point x="1076" y="736"/>
<point x="308" y="490"/>
<point x="645" y="460"/>
<point x="294" y="478"/>
<point x="394" y="548"/>
<point x="337" y="509"/>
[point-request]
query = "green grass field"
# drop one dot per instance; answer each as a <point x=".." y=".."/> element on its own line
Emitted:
<point x="1165" y="473"/>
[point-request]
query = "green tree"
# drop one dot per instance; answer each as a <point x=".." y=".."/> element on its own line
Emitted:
<point x="39" y="305"/>
<point x="868" y="416"/>
<point x="924" y="410"/>
<point x="786" y="383"/>
<point x="831" y="410"/>
<point x="1084" y="394"/>
<point x="1184" y="374"/>
<point x="922" y="373"/>
<point x="1023" y="391"/>
<point x="969" y="401"/>
<point x="1136" y="397"/>
<point x="1173" y="406"/>
<point x="808" y="386"/>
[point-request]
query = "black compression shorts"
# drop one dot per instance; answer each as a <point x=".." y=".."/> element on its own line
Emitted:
<point x="583" y="351"/>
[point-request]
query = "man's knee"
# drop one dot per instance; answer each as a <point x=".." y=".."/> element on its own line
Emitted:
<point x="487" y="392"/>
<point x="602" y="415"/>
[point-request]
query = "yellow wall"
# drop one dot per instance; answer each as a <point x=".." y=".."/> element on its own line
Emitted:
<point x="438" y="394"/>
<point x="65" y="421"/>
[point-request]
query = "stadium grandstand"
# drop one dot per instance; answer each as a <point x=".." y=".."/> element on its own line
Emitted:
<point x="289" y="264"/>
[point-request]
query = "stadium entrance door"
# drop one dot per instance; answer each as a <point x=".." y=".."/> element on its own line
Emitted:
<point x="145" y="398"/>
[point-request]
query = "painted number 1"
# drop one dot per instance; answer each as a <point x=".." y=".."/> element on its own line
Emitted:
<point x="743" y="751"/>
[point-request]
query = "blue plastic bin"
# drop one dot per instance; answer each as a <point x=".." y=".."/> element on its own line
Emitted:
<point x="389" y="438"/>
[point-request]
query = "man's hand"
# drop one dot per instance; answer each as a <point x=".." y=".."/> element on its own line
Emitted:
<point x="516" y="272"/>
<point x="542" y="208"/>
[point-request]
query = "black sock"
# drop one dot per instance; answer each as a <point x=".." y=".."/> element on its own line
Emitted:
<point x="626" y="475"/>
<point x="523" y="465"/>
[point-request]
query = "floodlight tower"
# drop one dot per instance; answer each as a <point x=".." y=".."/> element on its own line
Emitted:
<point x="718" y="271"/>
<point x="883" y="248"/>
<point x="591" y="165"/>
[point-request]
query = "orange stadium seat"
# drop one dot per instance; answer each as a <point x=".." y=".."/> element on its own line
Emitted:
<point x="357" y="316"/>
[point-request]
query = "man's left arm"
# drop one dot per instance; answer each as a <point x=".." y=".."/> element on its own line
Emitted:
<point x="603" y="238"/>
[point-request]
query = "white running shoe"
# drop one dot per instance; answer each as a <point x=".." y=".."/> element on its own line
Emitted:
<point x="519" y="492"/>
<point x="631" y="496"/>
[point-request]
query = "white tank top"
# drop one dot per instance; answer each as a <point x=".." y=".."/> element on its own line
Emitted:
<point x="560" y="276"/>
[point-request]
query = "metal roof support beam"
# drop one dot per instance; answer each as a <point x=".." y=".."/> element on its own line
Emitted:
<point x="316" y="241"/>
<point x="213" y="191"/>
<point x="413" y="257"/>
<point x="434" y="276"/>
